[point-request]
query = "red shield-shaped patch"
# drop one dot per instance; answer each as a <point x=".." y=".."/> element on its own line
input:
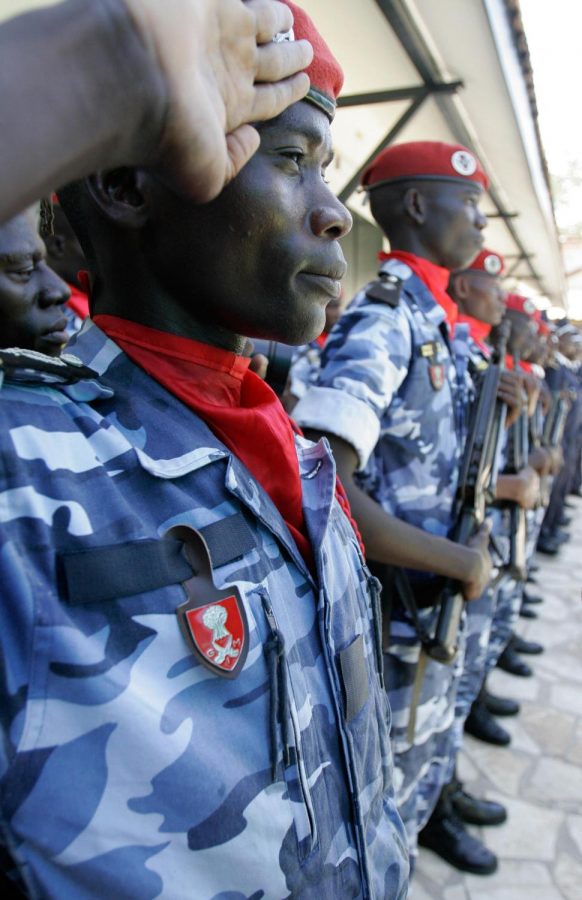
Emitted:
<point x="218" y="632"/>
<point x="213" y="620"/>
<point x="436" y="373"/>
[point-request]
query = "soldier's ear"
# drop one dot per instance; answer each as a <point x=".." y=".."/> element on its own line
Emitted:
<point x="461" y="287"/>
<point x="415" y="205"/>
<point x="121" y="195"/>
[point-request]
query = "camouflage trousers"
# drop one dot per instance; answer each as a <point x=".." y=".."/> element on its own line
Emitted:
<point x="509" y="594"/>
<point x="479" y="614"/>
<point x="534" y="520"/>
<point x="422" y="762"/>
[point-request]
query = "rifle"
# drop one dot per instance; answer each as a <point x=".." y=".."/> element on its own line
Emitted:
<point x="556" y="421"/>
<point x="536" y="426"/>
<point x="476" y="489"/>
<point x="517" y="456"/>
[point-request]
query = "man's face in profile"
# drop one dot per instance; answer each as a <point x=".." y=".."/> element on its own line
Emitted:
<point x="31" y="294"/>
<point x="263" y="259"/>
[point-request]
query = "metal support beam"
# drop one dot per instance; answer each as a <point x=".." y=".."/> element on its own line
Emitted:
<point x="405" y="93"/>
<point x="353" y="183"/>
<point x="522" y="257"/>
<point x="412" y="41"/>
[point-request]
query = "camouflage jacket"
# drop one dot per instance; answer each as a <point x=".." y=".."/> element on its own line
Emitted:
<point x="392" y="387"/>
<point x="129" y="769"/>
<point x="305" y="367"/>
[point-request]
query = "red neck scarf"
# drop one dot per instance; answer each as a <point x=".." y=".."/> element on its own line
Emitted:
<point x="478" y="331"/>
<point x="434" y="277"/>
<point x="78" y="301"/>
<point x="523" y="365"/>
<point x="237" y="405"/>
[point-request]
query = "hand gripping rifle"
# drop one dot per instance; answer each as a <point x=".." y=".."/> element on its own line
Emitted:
<point x="476" y="489"/>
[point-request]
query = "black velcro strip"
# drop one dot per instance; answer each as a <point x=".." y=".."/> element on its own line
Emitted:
<point x="228" y="539"/>
<point x="355" y="677"/>
<point x="121" y="570"/>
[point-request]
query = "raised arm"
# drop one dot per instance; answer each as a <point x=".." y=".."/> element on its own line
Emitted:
<point x="86" y="85"/>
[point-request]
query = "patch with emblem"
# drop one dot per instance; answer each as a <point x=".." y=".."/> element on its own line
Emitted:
<point x="217" y="631"/>
<point x="436" y="373"/>
<point x="213" y="620"/>
<point x="492" y="264"/>
<point x="464" y="163"/>
<point x="431" y="351"/>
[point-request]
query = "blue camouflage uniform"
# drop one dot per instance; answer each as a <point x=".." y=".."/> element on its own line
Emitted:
<point x="304" y="369"/>
<point x="128" y="769"/>
<point x="565" y="377"/>
<point x="407" y="425"/>
<point x="479" y="612"/>
<point x="508" y="591"/>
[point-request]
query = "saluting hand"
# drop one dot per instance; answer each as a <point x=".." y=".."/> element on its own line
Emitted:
<point x="222" y="72"/>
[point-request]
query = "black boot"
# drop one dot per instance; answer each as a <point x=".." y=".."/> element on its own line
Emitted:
<point x="511" y="662"/>
<point x="527" y="598"/>
<point x="476" y="811"/>
<point x="547" y="544"/>
<point x="499" y="706"/>
<point x="526" y="612"/>
<point x="561" y="537"/>
<point x="481" y="725"/>
<point x="446" y="836"/>
<point x="520" y="645"/>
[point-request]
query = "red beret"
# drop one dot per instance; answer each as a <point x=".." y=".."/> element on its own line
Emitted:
<point x="424" y="160"/>
<point x="521" y="304"/>
<point x="325" y="73"/>
<point x="542" y="326"/>
<point x="488" y="261"/>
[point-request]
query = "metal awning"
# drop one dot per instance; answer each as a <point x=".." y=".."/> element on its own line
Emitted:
<point x="446" y="70"/>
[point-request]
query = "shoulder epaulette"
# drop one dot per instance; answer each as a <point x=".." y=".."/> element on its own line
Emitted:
<point x="31" y="367"/>
<point x="386" y="289"/>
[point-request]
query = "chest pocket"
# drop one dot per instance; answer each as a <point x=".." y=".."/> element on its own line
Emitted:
<point x="220" y="626"/>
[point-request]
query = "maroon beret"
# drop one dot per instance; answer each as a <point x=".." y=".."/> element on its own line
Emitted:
<point x="424" y="160"/>
<point x="488" y="261"/>
<point x="521" y="304"/>
<point x="325" y="73"/>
